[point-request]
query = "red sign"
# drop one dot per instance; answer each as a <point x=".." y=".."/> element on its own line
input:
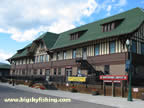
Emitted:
<point x="113" y="77"/>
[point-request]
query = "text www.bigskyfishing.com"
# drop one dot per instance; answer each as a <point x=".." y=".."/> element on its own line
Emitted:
<point x="36" y="100"/>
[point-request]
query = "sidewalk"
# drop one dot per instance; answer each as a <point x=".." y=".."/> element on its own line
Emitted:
<point x="105" y="100"/>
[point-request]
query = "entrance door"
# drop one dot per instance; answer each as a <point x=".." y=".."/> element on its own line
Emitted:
<point x="84" y="53"/>
<point x="47" y="74"/>
<point x="68" y="72"/>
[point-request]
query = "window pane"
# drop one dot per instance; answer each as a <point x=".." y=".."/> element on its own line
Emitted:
<point x="134" y="47"/>
<point x="84" y="53"/>
<point x="47" y="59"/>
<point x="142" y="48"/>
<point x="58" y="55"/>
<point x="97" y="49"/>
<point x="59" y="71"/>
<point x="74" y="53"/>
<point x="55" y="71"/>
<point x="106" y="69"/>
<point x="64" y="55"/>
<point x="112" y="47"/>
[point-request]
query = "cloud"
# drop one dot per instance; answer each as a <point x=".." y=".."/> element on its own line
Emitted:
<point x="109" y="7"/>
<point x="25" y="19"/>
<point x="121" y="3"/>
<point x="4" y="55"/>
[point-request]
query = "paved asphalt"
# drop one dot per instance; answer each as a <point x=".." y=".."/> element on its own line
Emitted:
<point x="6" y="92"/>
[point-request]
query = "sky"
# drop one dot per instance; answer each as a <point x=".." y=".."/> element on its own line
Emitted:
<point x="22" y="21"/>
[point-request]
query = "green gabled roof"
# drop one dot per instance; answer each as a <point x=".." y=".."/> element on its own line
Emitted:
<point x="132" y="20"/>
<point x="49" y="39"/>
<point x="23" y="53"/>
<point x="4" y="66"/>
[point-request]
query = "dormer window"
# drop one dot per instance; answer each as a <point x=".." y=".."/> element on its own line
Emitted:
<point x="74" y="36"/>
<point x="106" y="27"/>
<point x="77" y="35"/>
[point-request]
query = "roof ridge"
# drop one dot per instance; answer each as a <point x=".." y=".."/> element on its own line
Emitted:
<point x="100" y="20"/>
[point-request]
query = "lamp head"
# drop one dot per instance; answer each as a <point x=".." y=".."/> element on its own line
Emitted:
<point x="127" y="42"/>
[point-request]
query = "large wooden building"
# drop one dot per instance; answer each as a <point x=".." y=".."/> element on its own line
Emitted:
<point x="89" y="50"/>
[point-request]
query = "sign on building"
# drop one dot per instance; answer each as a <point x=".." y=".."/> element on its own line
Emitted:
<point x="113" y="77"/>
<point x="135" y="90"/>
<point x="77" y="79"/>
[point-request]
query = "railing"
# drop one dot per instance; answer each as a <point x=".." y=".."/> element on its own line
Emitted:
<point x="60" y="79"/>
<point x="93" y="80"/>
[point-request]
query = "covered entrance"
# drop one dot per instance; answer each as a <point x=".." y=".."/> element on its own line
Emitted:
<point x="68" y="72"/>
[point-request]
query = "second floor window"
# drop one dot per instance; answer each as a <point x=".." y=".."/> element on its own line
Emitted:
<point x="112" y="47"/>
<point x="47" y="58"/>
<point x="64" y="55"/>
<point x="97" y="48"/>
<point x="84" y="53"/>
<point x="142" y="48"/>
<point x="41" y="45"/>
<point x="42" y="58"/>
<point x="74" y="53"/>
<point x="58" y="55"/>
<point x="134" y="47"/>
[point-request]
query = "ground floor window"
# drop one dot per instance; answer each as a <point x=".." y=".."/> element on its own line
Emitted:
<point x="106" y="69"/>
<point x="59" y="71"/>
<point x="55" y="71"/>
<point x="68" y="71"/>
<point x="40" y="71"/>
<point x="79" y="72"/>
<point x="34" y="71"/>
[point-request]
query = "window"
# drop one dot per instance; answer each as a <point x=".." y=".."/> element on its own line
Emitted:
<point x="47" y="72"/>
<point x="47" y="58"/>
<point x="74" y="36"/>
<point x="108" y="26"/>
<point x="112" y="47"/>
<point x="22" y="61"/>
<point x="77" y="35"/>
<point x="64" y="55"/>
<point x="59" y="71"/>
<point x="134" y="46"/>
<point x="84" y="53"/>
<point x="106" y="69"/>
<point x="41" y="45"/>
<point x="58" y="55"/>
<point x="55" y="71"/>
<point x="97" y="48"/>
<point x="40" y="71"/>
<point x="23" y="72"/>
<point x="74" y="53"/>
<point x="79" y="72"/>
<point x="34" y="71"/>
<point x="37" y="59"/>
<point x="41" y="58"/>
<point x="142" y="48"/>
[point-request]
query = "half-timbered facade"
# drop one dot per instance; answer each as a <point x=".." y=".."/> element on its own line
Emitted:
<point x="90" y="50"/>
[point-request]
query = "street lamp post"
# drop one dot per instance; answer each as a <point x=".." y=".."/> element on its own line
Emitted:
<point x="129" y="44"/>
